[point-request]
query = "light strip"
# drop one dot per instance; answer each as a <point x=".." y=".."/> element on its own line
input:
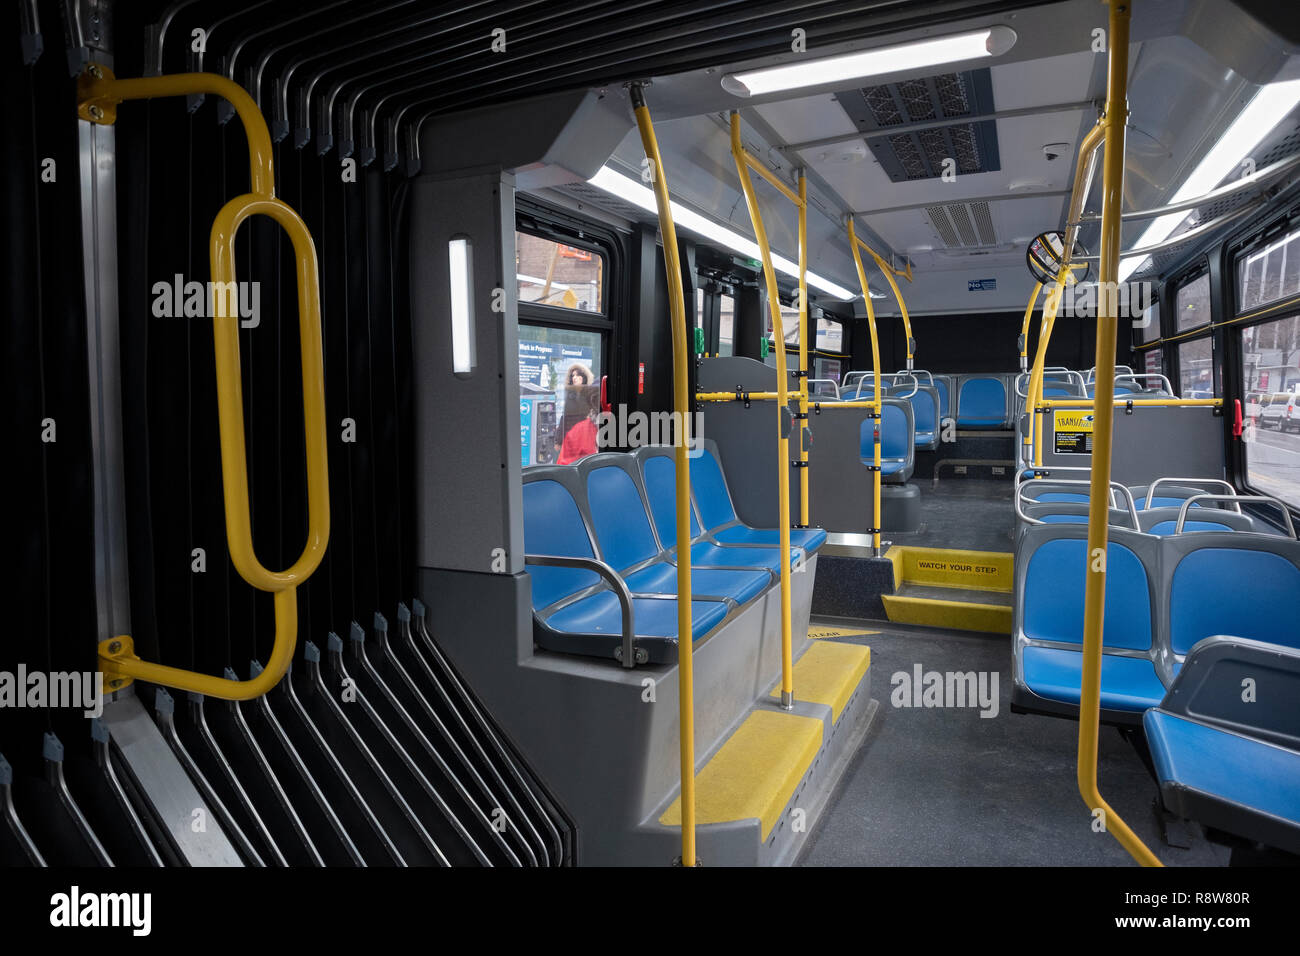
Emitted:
<point x="462" y="337"/>
<point x="912" y="57"/>
<point x="629" y="190"/>
<point x="1270" y="105"/>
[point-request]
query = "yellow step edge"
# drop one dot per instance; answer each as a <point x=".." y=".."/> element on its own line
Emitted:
<point x="818" y="632"/>
<point x="755" y="773"/>
<point x="956" y="615"/>
<point x="956" y="568"/>
<point x="828" y="673"/>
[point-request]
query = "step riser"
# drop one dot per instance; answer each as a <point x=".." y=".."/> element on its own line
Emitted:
<point x="953" y="568"/>
<point x="949" y="615"/>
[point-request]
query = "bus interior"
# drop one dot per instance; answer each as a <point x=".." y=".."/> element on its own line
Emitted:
<point x="652" y="434"/>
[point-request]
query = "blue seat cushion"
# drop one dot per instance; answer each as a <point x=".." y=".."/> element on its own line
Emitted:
<point x="1063" y="519"/>
<point x="889" y="467"/>
<point x="1224" y="765"/>
<point x="924" y="437"/>
<point x="553" y="525"/>
<point x="1127" y="683"/>
<point x="661" y="578"/>
<point x="601" y="614"/>
<point x="706" y="553"/>
<point x="810" y="539"/>
<point x="1058" y="496"/>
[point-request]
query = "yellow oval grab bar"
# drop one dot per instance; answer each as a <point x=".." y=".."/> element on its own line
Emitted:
<point x="98" y="93"/>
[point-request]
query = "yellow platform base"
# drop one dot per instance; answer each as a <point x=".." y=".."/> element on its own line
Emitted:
<point x="755" y="772"/>
<point x="827" y="674"/>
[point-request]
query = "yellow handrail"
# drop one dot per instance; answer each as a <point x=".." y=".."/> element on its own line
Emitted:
<point x="1024" y="327"/>
<point x="878" y="418"/>
<point x="888" y="271"/>
<point x="743" y="162"/>
<point x="98" y="94"/>
<point x="1083" y="173"/>
<point x="804" y="477"/>
<point x="1098" y="498"/>
<point x="681" y="459"/>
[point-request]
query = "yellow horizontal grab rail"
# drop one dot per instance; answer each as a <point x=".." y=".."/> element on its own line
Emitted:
<point x="99" y="93"/>
<point x="771" y="396"/>
<point x="1165" y="402"/>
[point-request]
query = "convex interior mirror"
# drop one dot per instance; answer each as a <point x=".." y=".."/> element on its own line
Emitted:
<point x="1044" y="258"/>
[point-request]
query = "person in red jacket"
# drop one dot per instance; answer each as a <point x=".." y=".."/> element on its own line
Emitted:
<point x="580" y="440"/>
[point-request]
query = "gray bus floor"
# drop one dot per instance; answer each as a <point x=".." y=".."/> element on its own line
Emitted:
<point x="973" y="513"/>
<point x="943" y="786"/>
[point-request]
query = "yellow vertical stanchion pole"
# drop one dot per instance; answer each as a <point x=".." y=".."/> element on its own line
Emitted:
<point x="875" y="399"/>
<point x="1026" y="453"/>
<point x="803" y="348"/>
<point x="1104" y="412"/>
<point x="1050" y="307"/>
<point x="782" y="408"/>
<point x="1024" y="327"/>
<point x="681" y="406"/>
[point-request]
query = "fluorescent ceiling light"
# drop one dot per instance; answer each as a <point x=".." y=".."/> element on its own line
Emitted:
<point x="1270" y="105"/>
<point x="462" y="330"/>
<point x="914" y="58"/>
<point x="643" y="197"/>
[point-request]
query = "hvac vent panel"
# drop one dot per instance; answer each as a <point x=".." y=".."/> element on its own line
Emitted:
<point x="885" y="112"/>
<point x="598" y="197"/>
<point x="963" y="225"/>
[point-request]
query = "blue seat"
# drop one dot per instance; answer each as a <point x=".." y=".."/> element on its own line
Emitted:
<point x="660" y="481"/>
<point x="945" y="402"/>
<point x="570" y="617"/>
<point x="897" y="446"/>
<point x="925" y="415"/>
<point x="1228" y="762"/>
<point x="1051" y="562"/>
<point x="718" y="514"/>
<point x="982" y="403"/>
<point x="627" y="541"/>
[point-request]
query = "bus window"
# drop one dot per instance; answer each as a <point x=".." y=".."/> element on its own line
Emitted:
<point x="1270" y="274"/>
<point x="554" y="274"/>
<point x="830" y="335"/>
<point x="1195" y="371"/>
<point x="1193" y="304"/>
<point x="1270" y="354"/>
<point x="726" y="323"/>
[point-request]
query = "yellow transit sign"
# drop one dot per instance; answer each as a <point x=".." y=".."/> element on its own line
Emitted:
<point x="1074" y="421"/>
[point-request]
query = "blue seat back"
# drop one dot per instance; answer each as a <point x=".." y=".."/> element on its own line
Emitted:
<point x="925" y="410"/>
<point x="945" y="403"/>
<point x="1238" y="588"/>
<point x="618" y="515"/>
<point x="982" y="401"/>
<point x="1053" y="589"/>
<point x="895" y="435"/>
<point x="711" y="495"/>
<point x="660" y="478"/>
<point x="553" y="525"/>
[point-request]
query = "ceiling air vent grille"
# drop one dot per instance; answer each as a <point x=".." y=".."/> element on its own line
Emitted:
<point x="913" y="126"/>
<point x="598" y="197"/>
<point x="963" y="225"/>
